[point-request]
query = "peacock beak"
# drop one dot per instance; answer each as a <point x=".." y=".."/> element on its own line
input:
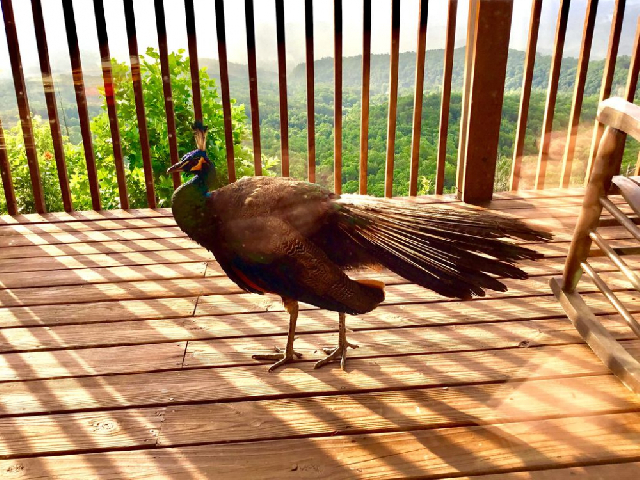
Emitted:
<point x="178" y="167"/>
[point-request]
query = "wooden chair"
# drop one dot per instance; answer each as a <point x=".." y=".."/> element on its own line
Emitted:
<point x="621" y="118"/>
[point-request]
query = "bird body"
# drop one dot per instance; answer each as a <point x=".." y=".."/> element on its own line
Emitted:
<point x="268" y="235"/>
<point x="298" y="240"/>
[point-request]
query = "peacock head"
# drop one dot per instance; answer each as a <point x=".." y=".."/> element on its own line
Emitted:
<point x="195" y="162"/>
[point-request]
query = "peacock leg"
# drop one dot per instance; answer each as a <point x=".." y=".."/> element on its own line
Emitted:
<point x="289" y="353"/>
<point x="340" y="352"/>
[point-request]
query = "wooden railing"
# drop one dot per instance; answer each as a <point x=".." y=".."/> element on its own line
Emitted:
<point x="486" y="56"/>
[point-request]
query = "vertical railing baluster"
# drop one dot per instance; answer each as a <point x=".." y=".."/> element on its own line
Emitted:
<point x="466" y="89"/>
<point x="282" y="86"/>
<point x="418" y="97"/>
<point x="393" y="98"/>
<point x="138" y="94"/>
<point x="192" y="45"/>
<point x="527" y="80"/>
<point x="554" y="76"/>
<point x="81" y="101"/>
<point x="446" y="95"/>
<point x="50" y="98"/>
<point x="224" y="87"/>
<point x="163" y="50"/>
<point x="364" y="114"/>
<point x="632" y="83"/>
<point x="253" y="86"/>
<point x="5" y="173"/>
<point x="23" y="105"/>
<point x="311" y="116"/>
<point x="607" y="79"/>
<point x="634" y="67"/>
<point x="578" y="92"/>
<point x="112" y="112"/>
<point x="337" y="103"/>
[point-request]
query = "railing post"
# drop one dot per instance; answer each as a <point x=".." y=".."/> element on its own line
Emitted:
<point x="484" y="101"/>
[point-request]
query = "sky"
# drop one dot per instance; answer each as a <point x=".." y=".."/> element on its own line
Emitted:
<point x="294" y="21"/>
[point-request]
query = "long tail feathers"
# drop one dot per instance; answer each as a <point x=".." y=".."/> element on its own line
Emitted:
<point x="457" y="252"/>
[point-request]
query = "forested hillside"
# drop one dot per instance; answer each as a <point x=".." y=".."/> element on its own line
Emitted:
<point x="297" y="119"/>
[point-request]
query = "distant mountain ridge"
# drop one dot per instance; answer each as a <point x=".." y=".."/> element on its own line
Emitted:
<point x="352" y="74"/>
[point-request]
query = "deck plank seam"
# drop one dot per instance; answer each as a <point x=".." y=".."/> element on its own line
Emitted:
<point x="246" y="364"/>
<point x="303" y="309"/>
<point x="320" y="331"/>
<point x="337" y="392"/>
<point x="345" y="433"/>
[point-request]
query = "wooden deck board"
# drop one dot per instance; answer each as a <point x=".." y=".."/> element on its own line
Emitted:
<point x="426" y="454"/>
<point x="229" y="352"/>
<point x="125" y="349"/>
<point x="245" y="382"/>
<point x="418" y="409"/>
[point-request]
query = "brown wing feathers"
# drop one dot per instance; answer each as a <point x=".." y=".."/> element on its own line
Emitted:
<point x="455" y="252"/>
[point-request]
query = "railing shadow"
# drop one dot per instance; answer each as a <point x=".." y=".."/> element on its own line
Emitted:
<point x="375" y="373"/>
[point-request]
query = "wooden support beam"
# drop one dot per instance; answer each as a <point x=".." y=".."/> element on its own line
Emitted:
<point x="491" y="47"/>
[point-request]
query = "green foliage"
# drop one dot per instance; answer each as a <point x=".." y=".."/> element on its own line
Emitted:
<point x="297" y="120"/>
<point x="157" y="129"/>
<point x="130" y="140"/>
<point x="16" y="152"/>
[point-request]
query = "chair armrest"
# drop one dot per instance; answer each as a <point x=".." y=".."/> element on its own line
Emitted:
<point x="618" y="113"/>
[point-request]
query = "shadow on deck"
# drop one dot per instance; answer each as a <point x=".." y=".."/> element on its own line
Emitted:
<point x="126" y="352"/>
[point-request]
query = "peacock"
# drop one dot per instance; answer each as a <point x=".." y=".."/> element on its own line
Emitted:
<point x="298" y="240"/>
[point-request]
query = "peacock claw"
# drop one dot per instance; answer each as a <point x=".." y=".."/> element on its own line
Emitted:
<point x="339" y="352"/>
<point x="330" y="350"/>
<point x="280" y="355"/>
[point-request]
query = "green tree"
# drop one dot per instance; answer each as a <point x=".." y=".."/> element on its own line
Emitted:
<point x="130" y="141"/>
<point x="157" y="129"/>
<point x="17" y="155"/>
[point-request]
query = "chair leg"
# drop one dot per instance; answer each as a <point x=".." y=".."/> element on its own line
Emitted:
<point x="609" y="150"/>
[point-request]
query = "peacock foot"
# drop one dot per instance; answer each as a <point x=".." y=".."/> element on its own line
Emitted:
<point x="280" y="355"/>
<point x="339" y="352"/>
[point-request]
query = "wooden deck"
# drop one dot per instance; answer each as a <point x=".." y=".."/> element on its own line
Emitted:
<point x="126" y="353"/>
